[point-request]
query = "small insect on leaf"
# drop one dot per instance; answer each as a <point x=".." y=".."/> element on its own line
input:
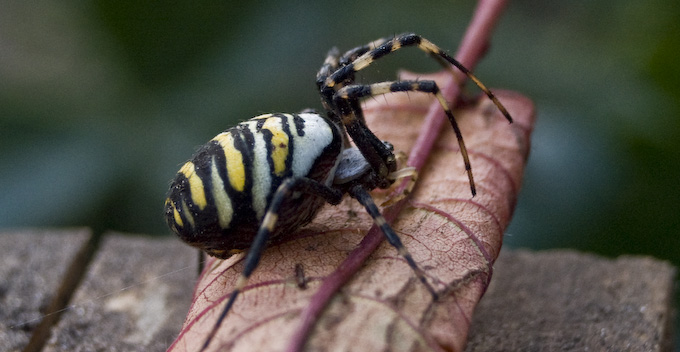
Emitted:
<point x="453" y="237"/>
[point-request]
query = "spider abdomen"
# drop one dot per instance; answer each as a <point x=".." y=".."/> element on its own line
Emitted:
<point x="219" y="197"/>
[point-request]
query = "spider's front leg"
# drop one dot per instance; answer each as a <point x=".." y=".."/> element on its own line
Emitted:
<point x="352" y="115"/>
<point x="353" y="54"/>
<point x="359" y="193"/>
<point x="375" y="50"/>
<point x="378" y="155"/>
<point x="356" y="177"/>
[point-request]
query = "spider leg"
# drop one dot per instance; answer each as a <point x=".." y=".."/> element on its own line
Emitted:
<point x="267" y="226"/>
<point x="329" y="65"/>
<point x="353" y="54"/>
<point x="362" y="196"/>
<point x="399" y="42"/>
<point x="334" y="60"/>
<point x="349" y="97"/>
<point x="201" y="261"/>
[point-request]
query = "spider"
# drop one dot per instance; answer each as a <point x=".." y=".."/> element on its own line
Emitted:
<point x="268" y="176"/>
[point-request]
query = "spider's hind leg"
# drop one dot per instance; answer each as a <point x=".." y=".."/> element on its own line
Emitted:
<point x="267" y="227"/>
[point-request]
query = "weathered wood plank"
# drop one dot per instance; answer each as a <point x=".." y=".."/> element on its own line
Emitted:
<point x="133" y="298"/>
<point x="33" y="264"/>
<point x="137" y="291"/>
<point x="566" y="301"/>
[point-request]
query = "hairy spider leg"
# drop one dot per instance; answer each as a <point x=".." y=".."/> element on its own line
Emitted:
<point x="350" y="110"/>
<point x="399" y="42"/>
<point x="359" y="193"/>
<point x="267" y="226"/>
<point x="350" y="95"/>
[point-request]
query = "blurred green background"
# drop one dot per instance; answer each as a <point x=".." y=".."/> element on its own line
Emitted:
<point x="102" y="101"/>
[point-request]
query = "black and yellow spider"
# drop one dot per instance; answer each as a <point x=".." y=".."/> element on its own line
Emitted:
<point x="270" y="175"/>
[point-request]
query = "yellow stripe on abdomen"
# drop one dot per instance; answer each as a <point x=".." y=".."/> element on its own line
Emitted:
<point x="235" y="167"/>
<point x="175" y="214"/>
<point x="195" y="184"/>
<point x="279" y="152"/>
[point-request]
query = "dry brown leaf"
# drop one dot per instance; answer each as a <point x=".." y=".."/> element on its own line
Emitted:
<point x="455" y="238"/>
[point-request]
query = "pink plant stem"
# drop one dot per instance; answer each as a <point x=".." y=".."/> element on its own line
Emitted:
<point x="470" y="51"/>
